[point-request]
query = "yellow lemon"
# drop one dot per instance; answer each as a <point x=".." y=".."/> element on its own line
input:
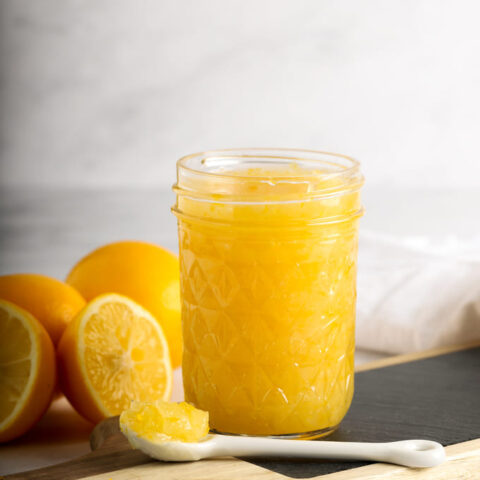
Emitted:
<point x="146" y="273"/>
<point x="53" y="303"/>
<point x="112" y="353"/>
<point x="27" y="371"/>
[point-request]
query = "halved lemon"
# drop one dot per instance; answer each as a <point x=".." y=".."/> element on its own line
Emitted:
<point x="112" y="353"/>
<point x="27" y="371"/>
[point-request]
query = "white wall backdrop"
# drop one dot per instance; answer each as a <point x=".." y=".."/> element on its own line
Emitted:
<point x="112" y="92"/>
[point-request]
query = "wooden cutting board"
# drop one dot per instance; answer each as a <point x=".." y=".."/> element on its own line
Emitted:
<point x="433" y="395"/>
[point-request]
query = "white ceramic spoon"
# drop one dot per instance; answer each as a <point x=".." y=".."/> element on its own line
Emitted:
<point x="410" y="453"/>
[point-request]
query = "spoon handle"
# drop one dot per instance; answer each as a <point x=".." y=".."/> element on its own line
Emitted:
<point x="410" y="453"/>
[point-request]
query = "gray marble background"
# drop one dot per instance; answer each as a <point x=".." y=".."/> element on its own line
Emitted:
<point x="109" y="93"/>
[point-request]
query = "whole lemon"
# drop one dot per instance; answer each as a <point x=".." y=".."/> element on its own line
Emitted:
<point x="53" y="303"/>
<point x="147" y="273"/>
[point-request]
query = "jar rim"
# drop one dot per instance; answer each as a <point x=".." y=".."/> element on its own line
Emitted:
<point x="257" y="177"/>
<point x="317" y="157"/>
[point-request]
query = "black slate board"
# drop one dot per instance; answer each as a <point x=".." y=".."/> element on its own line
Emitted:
<point x="435" y="398"/>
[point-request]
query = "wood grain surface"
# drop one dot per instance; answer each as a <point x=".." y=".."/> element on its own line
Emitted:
<point x="433" y="395"/>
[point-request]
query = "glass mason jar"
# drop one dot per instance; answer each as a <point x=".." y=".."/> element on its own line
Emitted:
<point x="268" y="257"/>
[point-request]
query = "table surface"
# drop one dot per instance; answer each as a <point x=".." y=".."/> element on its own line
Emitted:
<point x="45" y="231"/>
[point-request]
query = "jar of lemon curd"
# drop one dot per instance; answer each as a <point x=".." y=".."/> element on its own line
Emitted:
<point x="268" y="257"/>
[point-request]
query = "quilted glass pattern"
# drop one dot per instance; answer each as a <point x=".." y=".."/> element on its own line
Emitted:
<point x="268" y="325"/>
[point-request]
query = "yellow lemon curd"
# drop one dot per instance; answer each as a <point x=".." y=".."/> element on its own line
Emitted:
<point x="268" y="283"/>
<point x="165" y="421"/>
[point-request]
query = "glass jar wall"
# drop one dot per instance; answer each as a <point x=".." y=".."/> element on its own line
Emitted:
<point x="268" y="255"/>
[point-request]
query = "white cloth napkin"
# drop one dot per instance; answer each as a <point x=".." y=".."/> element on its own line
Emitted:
<point x="417" y="293"/>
